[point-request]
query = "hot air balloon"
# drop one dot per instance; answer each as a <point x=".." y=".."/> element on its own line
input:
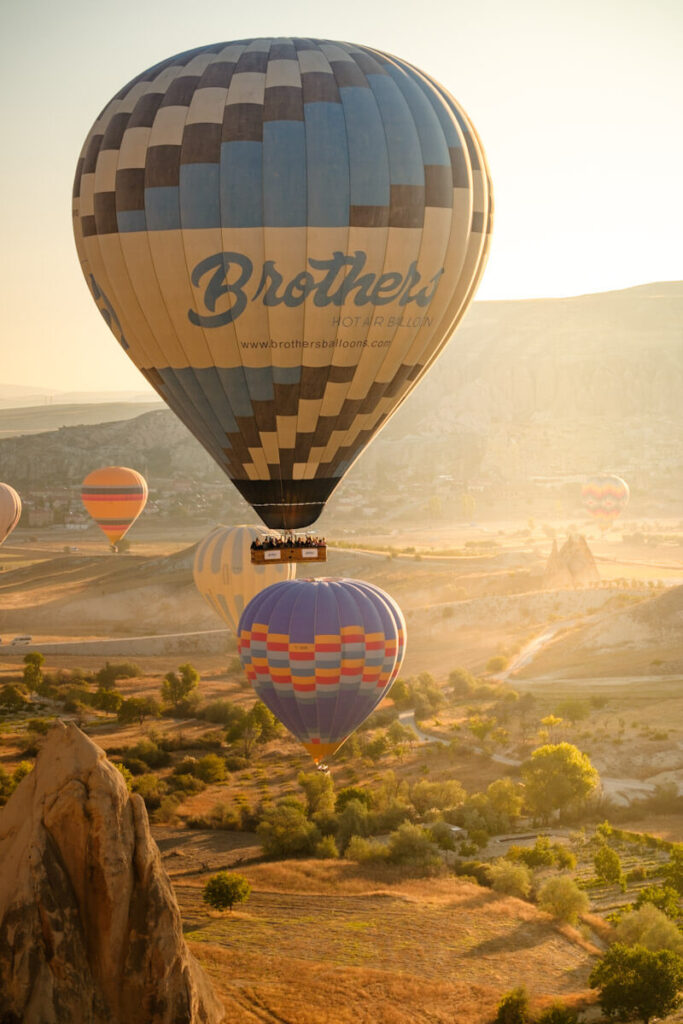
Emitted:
<point x="10" y="510"/>
<point x="283" y="234"/>
<point x="225" y="575"/>
<point x="114" y="496"/>
<point x="605" y="497"/>
<point x="321" y="654"/>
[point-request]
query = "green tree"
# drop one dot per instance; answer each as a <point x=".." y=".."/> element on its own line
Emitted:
<point x="108" y="701"/>
<point x="649" y="927"/>
<point x="558" y="1013"/>
<point x="106" y="677"/>
<point x="137" y="709"/>
<point x="505" y="798"/>
<point x="556" y="777"/>
<point x="348" y="793"/>
<point x="270" y="727"/>
<point x="210" y="768"/>
<point x="12" y="699"/>
<point x="573" y="709"/>
<point x="426" y="795"/>
<point x="318" y="788"/>
<point x="354" y="820"/>
<point x="673" y="872"/>
<point x="497" y="663"/>
<point x="285" y="830"/>
<point x="400" y="736"/>
<point x="510" y="878"/>
<point x="634" y="983"/>
<point x="176" y="688"/>
<point x="608" y="866"/>
<point x="461" y="682"/>
<point x="664" y="897"/>
<point x="33" y="675"/>
<point x="225" y="889"/>
<point x="412" y="846"/>
<point x="513" y="1007"/>
<point x="562" y="898"/>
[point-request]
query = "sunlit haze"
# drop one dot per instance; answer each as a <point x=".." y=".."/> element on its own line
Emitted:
<point x="577" y="105"/>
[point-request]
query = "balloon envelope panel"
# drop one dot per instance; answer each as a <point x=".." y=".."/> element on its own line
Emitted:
<point x="10" y="510"/>
<point x="225" y="576"/>
<point x="282" y="234"/>
<point x="605" y="497"/>
<point x="114" y="496"/>
<point x="321" y="654"/>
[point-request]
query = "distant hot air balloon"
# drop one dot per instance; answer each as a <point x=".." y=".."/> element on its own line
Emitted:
<point x="605" y="497"/>
<point x="225" y="576"/>
<point x="10" y="510"/>
<point x="283" y="234"/>
<point x="114" y="496"/>
<point x="321" y="654"/>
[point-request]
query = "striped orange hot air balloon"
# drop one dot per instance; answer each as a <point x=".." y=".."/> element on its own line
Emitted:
<point x="114" y="496"/>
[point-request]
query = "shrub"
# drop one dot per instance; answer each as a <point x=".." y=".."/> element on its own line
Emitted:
<point x="326" y="848"/>
<point x="649" y="927"/>
<point x="348" y="793"/>
<point x="365" y="851"/>
<point x="225" y="889"/>
<point x="107" y="676"/>
<point x="151" y="753"/>
<point x="39" y="725"/>
<point x="510" y="879"/>
<point x="562" y="898"/>
<point x="412" y="847"/>
<point x="513" y="1008"/>
<point x="608" y="866"/>
<point x="127" y="775"/>
<point x="497" y="663"/>
<point x="151" y="789"/>
<point x="558" y="1013"/>
<point x="637" y="983"/>
<point x="135" y="766"/>
<point x="285" y="830"/>
<point x="211" y="768"/>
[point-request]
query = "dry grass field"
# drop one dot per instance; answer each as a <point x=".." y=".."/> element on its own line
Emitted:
<point x="327" y="941"/>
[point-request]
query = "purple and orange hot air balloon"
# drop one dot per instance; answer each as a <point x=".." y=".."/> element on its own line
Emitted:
<point x="10" y="510"/>
<point x="605" y="497"/>
<point x="321" y="654"/>
<point x="114" y="496"/>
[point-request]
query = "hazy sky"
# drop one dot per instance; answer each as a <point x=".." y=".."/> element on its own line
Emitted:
<point x="577" y="102"/>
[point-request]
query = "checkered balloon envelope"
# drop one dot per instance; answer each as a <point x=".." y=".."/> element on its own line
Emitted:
<point x="283" y="234"/>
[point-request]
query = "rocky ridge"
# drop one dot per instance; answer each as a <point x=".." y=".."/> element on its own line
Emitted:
<point x="90" y="931"/>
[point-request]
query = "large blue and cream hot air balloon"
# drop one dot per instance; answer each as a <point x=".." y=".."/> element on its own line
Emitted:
<point x="225" y="575"/>
<point x="283" y="234"/>
<point x="321" y="654"/>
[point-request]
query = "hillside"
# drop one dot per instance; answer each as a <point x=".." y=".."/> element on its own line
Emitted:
<point x="544" y="388"/>
<point x="644" y="640"/>
<point x="35" y="419"/>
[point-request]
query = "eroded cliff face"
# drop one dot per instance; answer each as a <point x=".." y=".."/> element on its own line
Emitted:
<point x="90" y="931"/>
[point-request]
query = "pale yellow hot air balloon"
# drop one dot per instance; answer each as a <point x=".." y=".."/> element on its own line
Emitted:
<point x="10" y="510"/>
<point x="224" y="573"/>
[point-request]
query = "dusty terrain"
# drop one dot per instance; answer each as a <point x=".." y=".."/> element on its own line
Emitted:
<point x="322" y="941"/>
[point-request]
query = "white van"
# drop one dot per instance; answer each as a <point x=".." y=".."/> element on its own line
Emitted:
<point x="22" y="640"/>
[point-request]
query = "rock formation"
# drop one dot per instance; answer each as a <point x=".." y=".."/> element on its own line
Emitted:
<point x="90" y="931"/>
<point x="572" y="565"/>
